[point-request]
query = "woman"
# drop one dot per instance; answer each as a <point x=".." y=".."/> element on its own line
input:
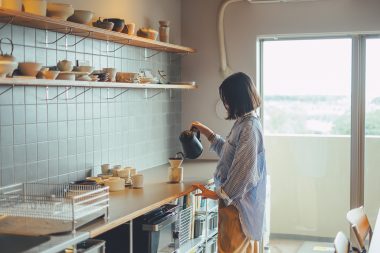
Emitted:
<point x="240" y="176"/>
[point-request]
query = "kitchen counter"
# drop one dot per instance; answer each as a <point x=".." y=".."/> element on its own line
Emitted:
<point x="124" y="206"/>
<point x="131" y="203"/>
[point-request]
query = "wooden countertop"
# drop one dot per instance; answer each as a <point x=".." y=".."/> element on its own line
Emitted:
<point x="131" y="203"/>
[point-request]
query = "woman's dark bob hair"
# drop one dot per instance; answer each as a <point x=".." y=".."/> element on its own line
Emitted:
<point x="239" y="95"/>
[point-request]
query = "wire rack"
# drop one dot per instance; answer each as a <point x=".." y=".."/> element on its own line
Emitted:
<point x="63" y="202"/>
<point x="185" y="221"/>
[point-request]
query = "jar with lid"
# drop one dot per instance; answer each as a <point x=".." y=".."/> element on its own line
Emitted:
<point x="164" y="30"/>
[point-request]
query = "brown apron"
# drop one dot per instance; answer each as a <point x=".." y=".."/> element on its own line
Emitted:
<point x="231" y="238"/>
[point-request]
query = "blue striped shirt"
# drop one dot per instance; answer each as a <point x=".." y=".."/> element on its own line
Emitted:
<point x="240" y="176"/>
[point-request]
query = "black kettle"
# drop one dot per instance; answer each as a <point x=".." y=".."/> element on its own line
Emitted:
<point x="191" y="143"/>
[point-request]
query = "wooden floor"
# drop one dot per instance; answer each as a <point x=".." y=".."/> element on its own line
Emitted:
<point x="298" y="246"/>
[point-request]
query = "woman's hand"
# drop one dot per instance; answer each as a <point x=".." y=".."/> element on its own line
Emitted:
<point x="206" y="193"/>
<point x="202" y="128"/>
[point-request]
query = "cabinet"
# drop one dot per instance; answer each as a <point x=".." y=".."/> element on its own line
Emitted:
<point x="206" y="242"/>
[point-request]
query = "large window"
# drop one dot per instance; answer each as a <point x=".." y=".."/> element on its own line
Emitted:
<point x="306" y="85"/>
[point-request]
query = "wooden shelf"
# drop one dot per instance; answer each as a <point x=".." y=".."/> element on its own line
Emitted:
<point x="65" y="83"/>
<point x="46" y="23"/>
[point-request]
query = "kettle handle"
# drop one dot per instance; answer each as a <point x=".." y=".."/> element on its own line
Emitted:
<point x="1" y="41"/>
<point x="194" y="129"/>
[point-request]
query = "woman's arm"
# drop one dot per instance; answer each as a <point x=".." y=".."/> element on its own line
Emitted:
<point x="217" y="142"/>
<point x="206" y="193"/>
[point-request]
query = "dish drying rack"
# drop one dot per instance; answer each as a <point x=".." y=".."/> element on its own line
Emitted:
<point x="66" y="205"/>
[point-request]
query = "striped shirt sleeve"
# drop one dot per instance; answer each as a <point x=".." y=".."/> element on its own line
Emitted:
<point x="217" y="145"/>
<point x="243" y="174"/>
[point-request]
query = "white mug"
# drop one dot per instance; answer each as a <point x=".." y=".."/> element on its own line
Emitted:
<point x="138" y="181"/>
<point x="105" y="168"/>
<point x="132" y="171"/>
<point x="115" y="169"/>
<point x="123" y="173"/>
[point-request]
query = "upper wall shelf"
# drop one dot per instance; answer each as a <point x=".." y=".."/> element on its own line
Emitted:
<point x="46" y="23"/>
<point x="65" y="83"/>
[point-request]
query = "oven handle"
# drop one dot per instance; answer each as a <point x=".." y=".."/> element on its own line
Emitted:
<point x="157" y="227"/>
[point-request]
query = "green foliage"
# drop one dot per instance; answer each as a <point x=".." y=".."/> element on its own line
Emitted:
<point x="305" y="114"/>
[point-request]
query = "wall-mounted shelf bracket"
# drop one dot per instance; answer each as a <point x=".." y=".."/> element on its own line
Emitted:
<point x="120" y="47"/>
<point x="50" y="99"/>
<point x="150" y="56"/>
<point x="6" y="90"/>
<point x="77" y="95"/>
<point x="149" y="97"/>
<point x="47" y="42"/>
<point x="82" y="39"/>
<point x="10" y="20"/>
<point x="108" y="97"/>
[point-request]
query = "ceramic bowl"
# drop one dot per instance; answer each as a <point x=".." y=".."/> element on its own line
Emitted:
<point x="126" y="77"/>
<point x="59" y="10"/>
<point x="37" y="7"/>
<point x="81" y="16"/>
<point x="66" y="76"/>
<point x="6" y="68"/>
<point x="87" y="69"/>
<point x="111" y="72"/>
<point x="65" y="65"/>
<point x="147" y="33"/>
<point x="118" y="23"/>
<point x="103" y="25"/>
<point x="29" y="68"/>
<point x="50" y="74"/>
<point x="83" y="78"/>
<point x="115" y="183"/>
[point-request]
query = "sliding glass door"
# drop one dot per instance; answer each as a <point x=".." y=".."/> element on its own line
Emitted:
<point x="306" y="85"/>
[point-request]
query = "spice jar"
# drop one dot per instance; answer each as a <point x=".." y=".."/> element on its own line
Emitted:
<point x="164" y="30"/>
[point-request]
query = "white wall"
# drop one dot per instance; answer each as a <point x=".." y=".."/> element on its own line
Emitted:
<point x="243" y="23"/>
<point x="141" y="12"/>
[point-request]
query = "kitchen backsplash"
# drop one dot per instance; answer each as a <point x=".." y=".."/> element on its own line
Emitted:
<point x="67" y="138"/>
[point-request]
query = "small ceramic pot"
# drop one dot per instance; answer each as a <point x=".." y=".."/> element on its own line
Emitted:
<point x="129" y="28"/>
<point x="147" y="33"/>
<point x="65" y="65"/>
<point x="29" y="68"/>
<point x="103" y="24"/>
<point x="37" y="7"/>
<point x="81" y="16"/>
<point x="15" y="5"/>
<point x="59" y="10"/>
<point x="111" y="72"/>
<point x="126" y="77"/>
<point x="118" y="23"/>
<point x="6" y="68"/>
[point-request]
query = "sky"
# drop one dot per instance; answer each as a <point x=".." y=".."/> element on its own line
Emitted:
<point x="307" y="67"/>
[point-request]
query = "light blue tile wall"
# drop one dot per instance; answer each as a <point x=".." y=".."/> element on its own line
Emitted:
<point x="67" y="139"/>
